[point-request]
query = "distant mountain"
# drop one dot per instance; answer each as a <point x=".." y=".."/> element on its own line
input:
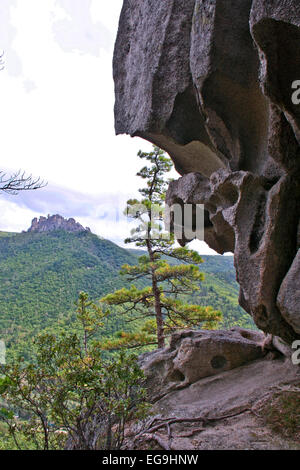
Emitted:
<point x="56" y="222"/>
<point x="41" y="274"/>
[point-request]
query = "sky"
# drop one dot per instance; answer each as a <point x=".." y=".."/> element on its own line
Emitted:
<point x="56" y="116"/>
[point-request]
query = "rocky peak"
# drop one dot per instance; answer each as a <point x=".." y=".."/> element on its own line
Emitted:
<point x="56" y="222"/>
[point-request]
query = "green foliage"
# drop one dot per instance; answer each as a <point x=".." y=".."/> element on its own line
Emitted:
<point x="148" y="211"/>
<point x="41" y="274"/>
<point x="7" y="234"/>
<point x="89" y="316"/>
<point x="69" y="394"/>
<point x="281" y="413"/>
<point x="221" y="291"/>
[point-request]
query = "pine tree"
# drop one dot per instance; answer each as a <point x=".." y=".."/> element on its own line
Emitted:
<point x="160" y="305"/>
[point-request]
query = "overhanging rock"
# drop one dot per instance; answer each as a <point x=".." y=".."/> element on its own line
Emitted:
<point x="211" y="82"/>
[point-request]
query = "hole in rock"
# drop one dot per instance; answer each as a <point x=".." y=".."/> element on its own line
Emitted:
<point x="218" y="362"/>
<point x="246" y="334"/>
<point x="177" y="376"/>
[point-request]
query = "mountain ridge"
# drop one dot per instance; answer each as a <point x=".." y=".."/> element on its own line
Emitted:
<point x="41" y="274"/>
<point x="56" y="222"/>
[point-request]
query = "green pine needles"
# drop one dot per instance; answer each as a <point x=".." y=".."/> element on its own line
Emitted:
<point x="161" y="305"/>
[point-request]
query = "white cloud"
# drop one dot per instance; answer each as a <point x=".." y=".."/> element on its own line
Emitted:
<point x="64" y="130"/>
<point x="76" y="31"/>
<point x="13" y="217"/>
<point x="56" y="118"/>
<point x="13" y="62"/>
<point x="29" y="86"/>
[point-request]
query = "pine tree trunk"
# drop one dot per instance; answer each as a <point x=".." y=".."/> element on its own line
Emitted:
<point x="158" y="313"/>
<point x="157" y="304"/>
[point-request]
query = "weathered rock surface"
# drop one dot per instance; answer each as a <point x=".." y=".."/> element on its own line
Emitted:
<point x="289" y="295"/>
<point x="56" y="222"/>
<point x="200" y="406"/>
<point x="193" y="355"/>
<point x="237" y="394"/>
<point x="211" y="82"/>
<point x="247" y="218"/>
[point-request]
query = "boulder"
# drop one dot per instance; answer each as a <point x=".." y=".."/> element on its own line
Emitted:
<point x="193" y="355"/>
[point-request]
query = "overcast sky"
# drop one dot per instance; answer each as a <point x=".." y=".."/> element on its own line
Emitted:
<point x="56" y="115"/>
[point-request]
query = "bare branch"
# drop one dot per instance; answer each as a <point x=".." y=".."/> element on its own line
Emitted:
<point x="13" y="184"/>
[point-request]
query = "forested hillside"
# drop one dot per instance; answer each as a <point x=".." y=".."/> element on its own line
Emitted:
<point x="219" y="289"/>
<point x="41" y="275"/>
<point x="7" y="234"/>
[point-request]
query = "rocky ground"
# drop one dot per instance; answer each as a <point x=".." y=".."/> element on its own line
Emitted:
<point x="226" y="410"/>
<point x="215" y="83"/>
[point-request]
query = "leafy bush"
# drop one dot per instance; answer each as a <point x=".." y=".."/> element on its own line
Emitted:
<point x="70" y="396"/>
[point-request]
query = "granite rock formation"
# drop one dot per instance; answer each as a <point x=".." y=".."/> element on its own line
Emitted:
<point x="56" y="222"/>
<point x="221" y="411"/>
<point x="210" y="390"/>
<point x="212" y="82"/>
<point x="193" y="355"/>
